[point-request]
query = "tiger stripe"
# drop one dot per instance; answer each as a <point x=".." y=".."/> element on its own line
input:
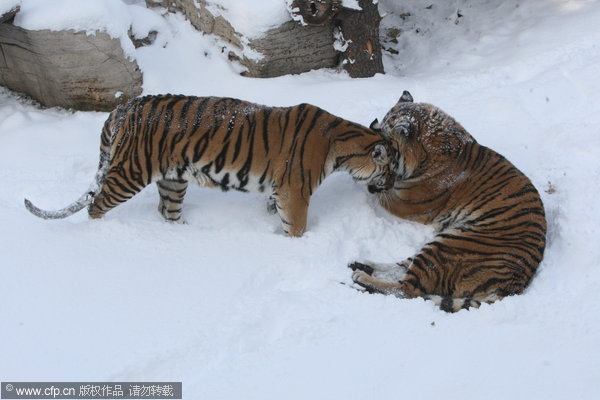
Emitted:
<point x="490" y="220"/>
<point x="285" y="152"/>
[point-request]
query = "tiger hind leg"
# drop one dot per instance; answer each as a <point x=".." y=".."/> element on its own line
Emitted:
<point x="404" y="289"/>
<point x="386" y="279"/>
<point x="171" y="194"/>
<point x="115" y="189"/>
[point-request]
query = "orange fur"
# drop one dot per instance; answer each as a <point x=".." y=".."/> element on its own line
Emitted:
<point x="285" y="152"/>
<point x="491" y="227"/>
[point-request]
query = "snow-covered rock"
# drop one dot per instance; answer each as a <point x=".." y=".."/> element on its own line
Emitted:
<point x="73" y="54"/>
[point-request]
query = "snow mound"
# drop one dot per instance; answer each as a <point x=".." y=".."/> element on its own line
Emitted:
<point x="7" y="5"/>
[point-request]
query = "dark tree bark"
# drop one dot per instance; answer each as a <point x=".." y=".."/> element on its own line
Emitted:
<point x="359" y="31"/>
<point x="316" y="12"/>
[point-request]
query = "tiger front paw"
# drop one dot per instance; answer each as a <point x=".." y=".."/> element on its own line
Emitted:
<point x="358" y="266"/>
<point x="363" y="279"/>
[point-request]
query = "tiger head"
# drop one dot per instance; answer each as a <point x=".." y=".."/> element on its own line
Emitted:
<point x="426" y="138"/>
<point x="383" y="173"/>
<point x="369" y="158"/>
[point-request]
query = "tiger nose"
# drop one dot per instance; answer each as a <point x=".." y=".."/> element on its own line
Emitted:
<point x="377" y="185"/>
<point x="374" y="189"/>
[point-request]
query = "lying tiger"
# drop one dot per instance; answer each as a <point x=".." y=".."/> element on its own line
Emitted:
<point x="285" y="152"/>
<point x="491" y="228"/>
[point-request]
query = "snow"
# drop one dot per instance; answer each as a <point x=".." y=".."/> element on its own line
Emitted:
<point x="114" y="17"/>
<point x="248" y="18"/>
<point x="351" y="4"/>
<point x="339" y="43"/>
<point x="7" y="5"/>
<point x="233" y="309"/>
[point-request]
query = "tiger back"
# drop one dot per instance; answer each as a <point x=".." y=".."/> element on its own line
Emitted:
<point x="490" y="220"/>
<point x="285" y="152"/>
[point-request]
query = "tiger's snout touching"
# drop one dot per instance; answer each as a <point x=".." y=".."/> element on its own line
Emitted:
<point x="490" y="220"/>
<point x="374" y="168"/>
<point x="284" y="152"/>
<point x="384" y="175"/>
<point x="376" y="188"/>
<point x="383" y="182"/>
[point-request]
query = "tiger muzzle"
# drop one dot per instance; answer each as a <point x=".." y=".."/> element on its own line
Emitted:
<point x="375" y="189"/>
<point x="381" y="184"/>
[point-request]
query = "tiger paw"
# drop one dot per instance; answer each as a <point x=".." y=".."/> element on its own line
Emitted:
<point x="357" y="266"/>
<point x="364" y="280"/>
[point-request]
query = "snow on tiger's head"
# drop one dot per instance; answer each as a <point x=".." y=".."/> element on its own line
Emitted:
<point x="425" y="137"/>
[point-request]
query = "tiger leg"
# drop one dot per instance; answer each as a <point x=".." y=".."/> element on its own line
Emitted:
<point x="475" y="280"/>
<point x="376" y="269"/>
<point x="293" y="211"/>
<point x="171" y="194"/>
<point x="385" y="278"/>
<point x="404" y="288"/>
<point x="375" y="285"/>
<point x="116" y="189"/>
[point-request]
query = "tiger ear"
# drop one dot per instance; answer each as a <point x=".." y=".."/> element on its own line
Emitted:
<point x="375" y="125"/>
<point x="380" y="154"/>
<point x="406" y="97"/>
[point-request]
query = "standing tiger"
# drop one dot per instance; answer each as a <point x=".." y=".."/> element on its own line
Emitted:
<point x="285" y="152"/>
<point x="491" y="228"/>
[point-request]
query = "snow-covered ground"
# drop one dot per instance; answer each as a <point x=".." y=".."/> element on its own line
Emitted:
<point x="233" y="309"/>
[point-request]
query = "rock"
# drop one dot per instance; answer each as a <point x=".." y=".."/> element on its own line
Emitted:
<point x="67" y="68"/>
